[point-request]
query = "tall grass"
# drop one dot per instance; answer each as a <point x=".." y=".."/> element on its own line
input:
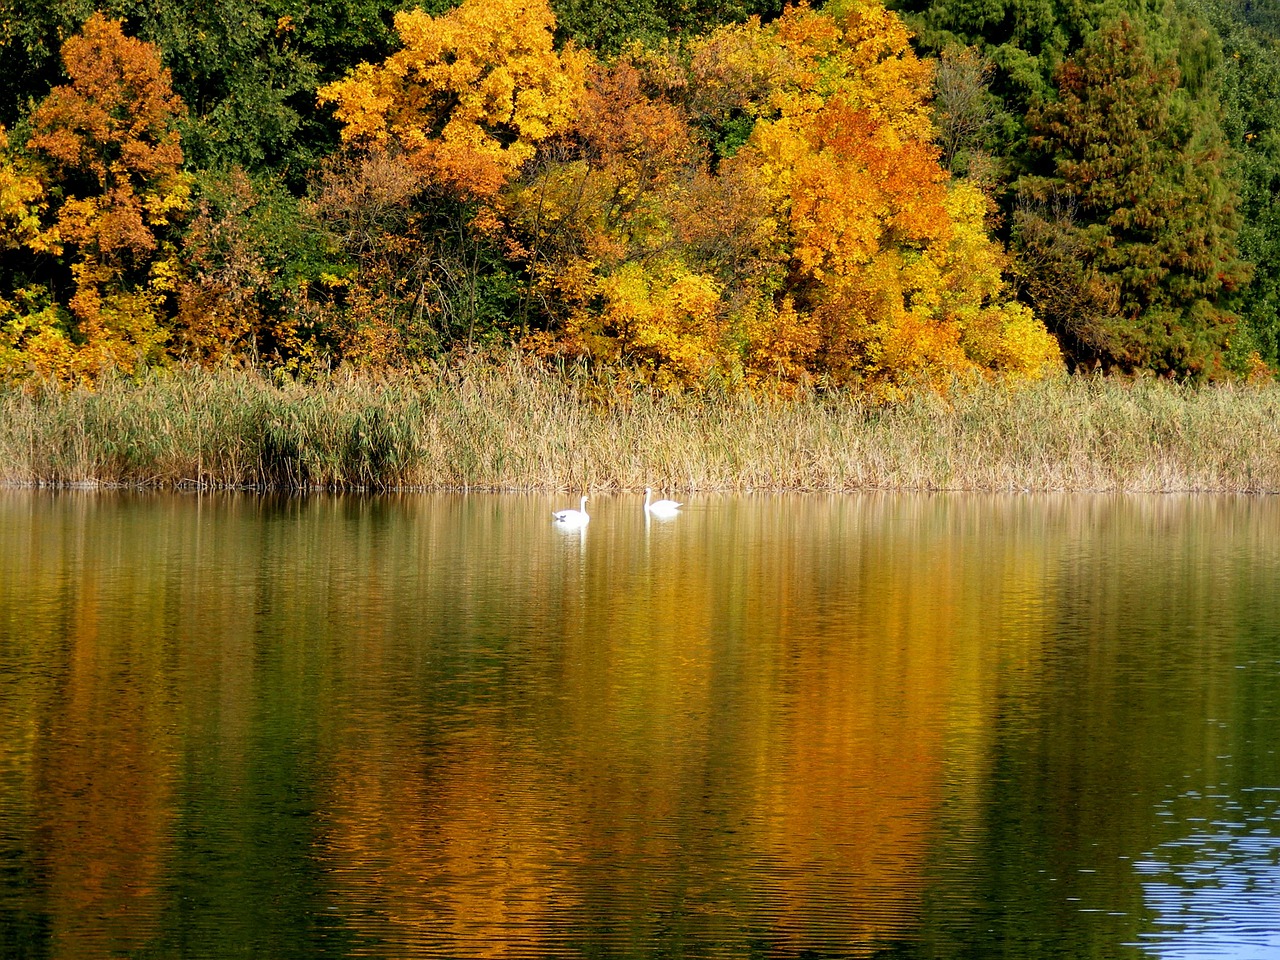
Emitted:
<point x="512" y="425"/>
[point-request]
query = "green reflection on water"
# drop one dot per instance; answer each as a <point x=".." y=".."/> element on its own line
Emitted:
<point x="773" y="726"/>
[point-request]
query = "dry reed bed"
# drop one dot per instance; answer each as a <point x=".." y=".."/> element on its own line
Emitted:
<point x="515" y="426"/>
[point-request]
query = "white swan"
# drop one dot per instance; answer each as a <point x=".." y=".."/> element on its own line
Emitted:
<point x="572" y="518"/>
<point x="660" y="508"/>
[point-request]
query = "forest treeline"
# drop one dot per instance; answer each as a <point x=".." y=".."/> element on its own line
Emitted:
<point x="722" y="192"/>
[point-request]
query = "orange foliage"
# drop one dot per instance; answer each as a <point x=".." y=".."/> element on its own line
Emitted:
<point x="642" y="145"/>
<point x="469" y="94"/>
<point x="825" y="238"/>
<point x="109" y="140"/>
<point x="891" y="260"/>
<point x="115" y="120"/>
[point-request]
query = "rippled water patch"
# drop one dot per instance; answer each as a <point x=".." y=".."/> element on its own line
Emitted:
<point x="1215" y="892"/>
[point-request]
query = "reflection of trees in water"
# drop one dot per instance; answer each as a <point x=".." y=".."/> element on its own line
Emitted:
<point x="1215" y="892"/>
<point x="445" y="727"/>
<point x="1149" y="607"/>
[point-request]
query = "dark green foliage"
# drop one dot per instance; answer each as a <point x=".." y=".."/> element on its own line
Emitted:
<point x="272" y="222"/>
<point x="420" y="277"/>
<point x="254" y="257"/>
<point x="1250" y="67"/>
<point x="1142" y="167"/>
<point x="1026" y="41"/>
<point x="969" y="117"/>
<point x="607" y="26"/>
<point x="1125" y="224"/>
<point x="247" y="80"/>
<point x="31" y="36"/>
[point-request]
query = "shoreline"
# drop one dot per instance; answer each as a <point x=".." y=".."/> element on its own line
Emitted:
<point x="96" y="486"/>
<point x="512" y="426"/>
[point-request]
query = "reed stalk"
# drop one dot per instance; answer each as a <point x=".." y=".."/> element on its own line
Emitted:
<point x="512" y="425"/>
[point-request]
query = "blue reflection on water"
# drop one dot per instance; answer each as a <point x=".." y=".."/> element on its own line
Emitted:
<point x="1216" y="892"/>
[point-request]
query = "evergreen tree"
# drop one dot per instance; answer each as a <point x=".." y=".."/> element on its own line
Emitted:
<point x="1142" y="211"/>
<point x="1250" y="66"/>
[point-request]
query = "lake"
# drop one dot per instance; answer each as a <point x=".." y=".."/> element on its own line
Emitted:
<point x="792" y="726"/>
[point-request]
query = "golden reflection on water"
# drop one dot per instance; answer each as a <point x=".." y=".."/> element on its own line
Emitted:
<point x="762" y="723"/>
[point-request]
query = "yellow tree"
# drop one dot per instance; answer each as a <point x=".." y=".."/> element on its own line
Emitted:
<point x="766" y="203"/>
<point x="891" y="268"/>
<point x="468" y="96"/>
<point x="109" y="140"/>
<point x="22" y="204"/>
<point x="434" y="132"/>
<point x="23" y="230"/>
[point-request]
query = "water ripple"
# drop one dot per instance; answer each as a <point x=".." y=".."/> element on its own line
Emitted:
<point x="1216" y="892"/>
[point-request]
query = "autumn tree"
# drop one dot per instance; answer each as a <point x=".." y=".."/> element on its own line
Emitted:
<point x="1154" y="220"/>
<point x="23" y="201"/>
<point x="890" y="266"/>
<point x="458" y="111"/>
<point x="108" y="141"/>
<point x="467" y="97"/>
<point x="594" y="224"/>
<point x="766" y="203"/>
<point x="247" y="69"/>
<point x="26" y="237"/>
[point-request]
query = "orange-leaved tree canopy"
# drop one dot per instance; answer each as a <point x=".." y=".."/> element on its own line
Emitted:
<point x="890" y="262"/>
<point x="469" y="94"/>
<point x="109" y="141"/>
<point x="766" y="203"/>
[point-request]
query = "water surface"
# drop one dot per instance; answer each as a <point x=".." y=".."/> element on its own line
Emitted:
<point x="775" y="726"/>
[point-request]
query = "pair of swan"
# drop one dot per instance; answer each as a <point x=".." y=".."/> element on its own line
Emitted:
<point x="579" y="517"/>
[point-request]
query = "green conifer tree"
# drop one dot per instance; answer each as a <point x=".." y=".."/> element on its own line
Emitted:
<point x="1250" y="65"/>
<point x="1136" y="176"/>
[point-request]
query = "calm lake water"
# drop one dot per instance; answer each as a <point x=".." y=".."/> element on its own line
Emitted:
<point x="776" y="726"/>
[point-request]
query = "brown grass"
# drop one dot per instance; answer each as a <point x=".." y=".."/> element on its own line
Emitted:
<point x="512" y="425"/>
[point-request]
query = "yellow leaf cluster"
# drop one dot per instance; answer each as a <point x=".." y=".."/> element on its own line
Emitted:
<point x="666" y="318"/>
<point x="469" y="94"/>
<point x="22" y="206"/>
<point x="997" y="334"/>
<point x="782" y="343"/>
